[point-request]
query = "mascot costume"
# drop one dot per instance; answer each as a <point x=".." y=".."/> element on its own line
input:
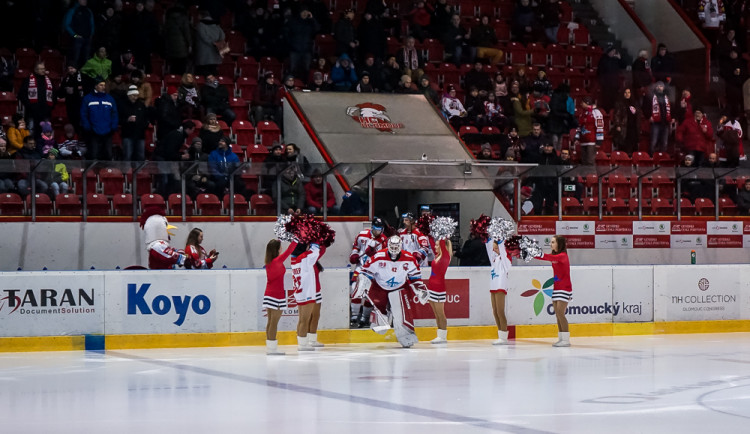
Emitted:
<point x="161" y="256"/>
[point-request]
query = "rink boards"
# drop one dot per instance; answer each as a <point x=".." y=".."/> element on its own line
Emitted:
<point x="132" y="309"/>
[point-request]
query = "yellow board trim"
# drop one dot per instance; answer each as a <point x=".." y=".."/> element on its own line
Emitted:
<point x="357" y="336"/>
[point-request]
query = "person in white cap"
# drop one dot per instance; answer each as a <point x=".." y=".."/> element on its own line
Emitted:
<point x="134" y="121"/>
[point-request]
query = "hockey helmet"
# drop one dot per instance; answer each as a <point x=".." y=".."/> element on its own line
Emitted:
<point x="394" y="245"/>
<point x="377" y="224"/>
<point x="408" y="215"/>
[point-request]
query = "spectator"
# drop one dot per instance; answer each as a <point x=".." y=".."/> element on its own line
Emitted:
<point x="299" y="33"/>
<point x="70" y="147"/>
<point x="344" y="34"/>
<point x="314" y="195"/>
<point x="222" y="162"/>
<point x="478" y="78"/>
<point x="743" y="199"/>
<point x="168" y="149"/>
<point x="561" y="116"/>
<point x="318" y="84"/>
<point x="485" y="153"/>
<point x="6" y="178"/>
<point x="522" y="112"/>
<point x="411" y="60"/>
<point x="474" y="106"/>
<point x="685" y="109"/>
<point x="658" y="110"/>
<point x="608" y="72"/>
<point x="98" y="66"/>
<point x="524" y="24"/>
<point x="533" y="145"/>
<point x="484" y="39"/>
<point x="626" y="123"/>
<point x="215" y="99"/>
<point x="452" y="108"/>
<point x="209" y="44"/>
<point x="99" y="120"/>
<point x="168" y="116"/>
<point x="590" y="132"/>
<point x="79" y="25"/>
<point x="441" y="17"/>
<point x="570" y="184"/>
<point x="405" y="86"/>
<point x="37" y="95"/>
<point x="425" y="88"/>
<point x="545" y="187"/>
<point x="729" y="132"/>
<point x="663" y="65"/>
<point x="375" y="70"/>
<point x="274" y="163"/>
<point x="343" y="75"/>
<point x="47" y="138"/>
<point x="692" y="186"/>
<point x="419" y="20"/>
<point x="500" y="87"/>
<point x="712" y="16"/>
<point x="143" y="33"/>
<point x="199" y="182"/>
<point x="71" y="89"/>
<point x="539" y="103"/>
<point x="188" y="100"/>
<point x="134" y="121"/>
<point x="712" y="162"/>
<point x="291" y="196"/>
<point x="364" y="85"/>
<point x="321" y="66"/>
<point x="108" y="30"/>
<point x="58" y="177"/>
<point x="542" y="83"/>
<point x="178" y="38"/>
<point x="549" y="16"/>
<point x="641" y="71"/>
<point x="117" y="88"/>
<point x="493" y="113"/>
<point x="728" y="42"/>
<point x="145" y="91"/>
<point x="17" y="133"/>
<point x="390" y="75"/>
<point x="267" y="101"/>
<point x="353" y="202"/>
<point x="473" y="253"/>
<point x="696" y="135"/>
<point x="513" y="144"/>
<point x="524" y="83"/>
<point x="735" y="75"/>
<point x="210" y="133"/>
<point x="29" y="152"/>
<point x="197" y="258"/>
<point x="124" y="63"/>
<point x="455" y="41"/>
<point x="294" y="156"/>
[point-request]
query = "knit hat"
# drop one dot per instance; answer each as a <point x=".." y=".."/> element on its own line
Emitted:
<point x="171" y="89"/>
<point x="53" y="151"/>
<point x="486" y="146"/>
<point x="510" y="153"/>
<point x="317" y="75"/>
<point x="196" y="140"/>
<point x="46" y="126"/>
<point x="659" y="83"/>
<point x="133" y="90"/>
<point x="526" y="191"/>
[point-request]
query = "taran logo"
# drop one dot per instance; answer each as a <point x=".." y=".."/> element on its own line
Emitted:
<point x="370" y="115"/>
<point x="703" y="284"/>
<point x="539" y="290"/>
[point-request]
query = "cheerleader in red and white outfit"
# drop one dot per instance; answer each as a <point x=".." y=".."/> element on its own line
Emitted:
<point x="304" y="258"/>
<point x="312" y="333"/>
<point x="563" y="289"/>
<point x="499" y="282"/>
<point x="274" y="298"/>
<point x="436" y="289"/>
<point x="196" y="255"/>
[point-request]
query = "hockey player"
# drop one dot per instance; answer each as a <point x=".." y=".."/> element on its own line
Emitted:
<point x="413" y="240"/>
<point x="367" y="243"/>
<point x="389" y="279"/>
<point x="161" y="256"/>
<point x="590" y="132"/>
<point x="304" y="258"/>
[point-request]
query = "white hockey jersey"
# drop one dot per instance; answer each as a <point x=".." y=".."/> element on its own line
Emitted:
<point x="303" y="273"/>
<point x="364" y="240"/>
<point x="499" y="265"/>
<point x="389" y="274"/>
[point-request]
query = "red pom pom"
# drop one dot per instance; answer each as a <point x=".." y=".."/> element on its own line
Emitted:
<point x="307" y="229"/>
<point x="479" y="227"/>
<point x="423" y="223"/>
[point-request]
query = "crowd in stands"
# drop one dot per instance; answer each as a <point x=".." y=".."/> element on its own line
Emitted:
<point x="168" y="81"/>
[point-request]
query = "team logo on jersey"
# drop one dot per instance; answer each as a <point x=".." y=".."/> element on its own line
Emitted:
<point x="382" y="265"/>
<point x="394" y="269"/>
<point x="370" y="115"/>
<point x="406" y="267"/>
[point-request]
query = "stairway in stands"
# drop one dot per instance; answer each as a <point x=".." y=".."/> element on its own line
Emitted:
<point x="599" y="31"/>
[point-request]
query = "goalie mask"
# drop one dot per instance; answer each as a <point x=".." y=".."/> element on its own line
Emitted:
<point x="394" y="245"/>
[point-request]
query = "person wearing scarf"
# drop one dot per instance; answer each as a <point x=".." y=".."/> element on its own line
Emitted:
<point x="37" y="96"/>
<point x="410" y="58"/>
<point x="660" y="112"/>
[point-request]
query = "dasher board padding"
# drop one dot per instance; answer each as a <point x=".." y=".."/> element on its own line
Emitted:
<point x="360" y="127"/>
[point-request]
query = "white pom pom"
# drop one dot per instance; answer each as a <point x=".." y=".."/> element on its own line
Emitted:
<point x="442" y="228"/>
<point x="529" y="249"/>
<point x="501" y="229"/>
<point x="280" y="228"/>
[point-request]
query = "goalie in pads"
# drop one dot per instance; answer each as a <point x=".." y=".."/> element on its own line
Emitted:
<point x="389" y="280"/>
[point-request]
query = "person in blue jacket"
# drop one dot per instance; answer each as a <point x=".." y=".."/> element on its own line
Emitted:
<point x="99" y="120"/>
<point x="222" y="162"/>
<point x="343" y="75"/>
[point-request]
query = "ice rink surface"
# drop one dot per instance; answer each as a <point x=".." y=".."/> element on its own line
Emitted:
<point x="626" y="384"/>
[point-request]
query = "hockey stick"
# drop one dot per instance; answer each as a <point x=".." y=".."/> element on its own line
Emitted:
<point x="381" y="329"/>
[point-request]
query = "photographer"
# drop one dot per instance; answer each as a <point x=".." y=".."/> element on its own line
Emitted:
<point x="196" y="255"/>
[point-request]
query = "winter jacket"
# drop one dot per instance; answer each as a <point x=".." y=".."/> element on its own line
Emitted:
<point x="215" y="97"/>
<point x="206" y="33"/>
<point x="97" y="68"/>
<point x="343" y="79"/>
<point x="299" y="34"/>
<point x="693" y="137"/>
<point x="99" y="113"/>
<point x="15" y="139"/>
<point x="176" y="33"/>
<point x="79" y="21"/>
<point x="314" y="195"/>
<point x="222" y="163"/>
<point x="133" y="130"/>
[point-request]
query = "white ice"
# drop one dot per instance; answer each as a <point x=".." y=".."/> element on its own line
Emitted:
<point x="632" y="384"/>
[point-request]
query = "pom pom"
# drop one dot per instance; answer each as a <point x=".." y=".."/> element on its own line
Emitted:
<point x="513" y="243"/>
<point x="442" y="228"/>
<point x="479" y="226"/>
<point x="307" y="229"/>
<point x="423" y="224"/>
<point x="529" y="249"/>
<point x="280" y="228"/>
<point x="500" y="229"/>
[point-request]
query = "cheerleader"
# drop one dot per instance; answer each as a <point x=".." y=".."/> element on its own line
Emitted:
<point x="196" y="255"/>
<point x="563" y="289"/>
<point x="304" y="258"/>
<point x="312" y="333"/>
<point x="274" y="299"/>
<point x="499" y="269"/>
<point x="436" y="289"/>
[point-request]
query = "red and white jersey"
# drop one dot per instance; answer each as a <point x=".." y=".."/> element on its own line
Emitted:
<point x="731" y="125"/>
<point x="162" y="256"/>
<point x="414" y="241"/>
<point x="303" y="275"/>
<point x="591" y="127"/>
<point x="389" y="274"/>
<point x="365" y="240"/>
<point x="197" y="259"/>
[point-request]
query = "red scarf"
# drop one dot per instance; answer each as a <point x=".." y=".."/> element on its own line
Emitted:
<point x="411" y="60"/>
<point x="656" y="113"/>
<point x="34" y="90"/>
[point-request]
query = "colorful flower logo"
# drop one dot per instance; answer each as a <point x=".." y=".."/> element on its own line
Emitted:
<point x="540" y="290"/>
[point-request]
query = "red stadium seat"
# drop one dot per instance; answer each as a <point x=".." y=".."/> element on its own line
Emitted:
<point x="433" y="51"/>
<point x="175" y="204"/>
<point x="26" y="57"/>
<point x="591" y="182"/>
<point x="143" y="184"/>
<point x="122" y="204"/>
<point x="704" y="207"/>
<point x="663" y="159"/>
<point x="240" y="108"/>
<point x="727" y="207"/>
<point x="661" y="207"/>
<point x="571" y="206"/>
<point x="76" y="175"/>
<point x="238" y="151"/>
<point x="581" y="36"/>
<point x="591" y="206"/>
<point x="68" y="204"/>
<point x="271" y="64"/>
<point x="246" y="86"/>
<point x="687" y="208"/>
<point x="620" y="158"/>
<point x="257" y="153"/>
<point x="97" y="204"/>
<point x="248" y="68"/>
<point x="616" y="206"/>
<point x="325" y="46"/>
<point x="642" y="159"/>
<point x="11" y="204"/>
<point x="601" y="158"/>
<point x="558" y="56"/>
<point x="8" y="104"/>
<point x="663" y="186"/>
<point x="516" y="54"/>
<point x="43" y="204"/>
<point x="228" y="83"/>
<point x="240" y="204"/>
<point x="268" y="133"/>
<point x="156" y="200"/>
<point x="53" y="60"/>
<point x="262" y="204"/>
<point x="113" y="181"/>
<point x="208" y="204"/>
<point x="620" y="185"/>
<point x="245" y="132"/>
<point x="236" y="43"/>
